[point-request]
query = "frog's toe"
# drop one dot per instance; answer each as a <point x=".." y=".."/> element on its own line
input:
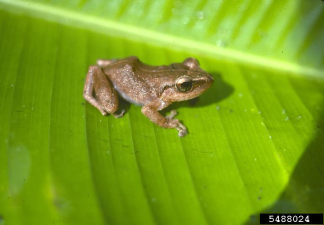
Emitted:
<point x="182" y="130"/>
<point x="182" y="133"/>
<point x="120" y="114"/>
<point x="171" y="123"/>
<point x="103" y="112"/>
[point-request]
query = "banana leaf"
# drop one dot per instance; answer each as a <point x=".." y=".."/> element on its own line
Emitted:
<point x="255" y="142"/>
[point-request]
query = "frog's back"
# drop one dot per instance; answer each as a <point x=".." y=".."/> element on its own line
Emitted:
<point x="129" y="82"/>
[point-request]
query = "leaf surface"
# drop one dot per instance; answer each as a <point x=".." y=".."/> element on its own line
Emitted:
<point x="255" y="140"/>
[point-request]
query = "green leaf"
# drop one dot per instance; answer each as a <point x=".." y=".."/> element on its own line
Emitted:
<point x="255" y="142"/>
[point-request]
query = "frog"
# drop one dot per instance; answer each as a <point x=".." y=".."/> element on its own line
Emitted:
<point x="152" y="87"/>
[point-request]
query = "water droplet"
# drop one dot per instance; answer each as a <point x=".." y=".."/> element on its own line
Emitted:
<point x="217" y="107"/>
<point x="177" y="6"/>
<point x="262" y="124"/>
<point x="245" y="110"/>
<point x="240" y="95"/>
<point x="11" y="85"/>
<point x="108" y="152"/>
<point x="23" y="106"/>
<point x="200" y="15"/>
<point x="153" y="199"/>
<point x="270" y="137"/>
<point x="220" y="43"/>
<point x="283" y="111"/>
<point x="299" y="117"/>
<point x="259" y="112"/>
<point x="255" y="159"/>
<point x="185" y="19"/>
<point x="175" y="11"/>
<point x="100" y="120"/>
<point x="287" y="118"/>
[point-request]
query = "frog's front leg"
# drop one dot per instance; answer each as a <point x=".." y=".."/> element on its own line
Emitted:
<point x="151" y="111"/>
<point x="106" y="98"/>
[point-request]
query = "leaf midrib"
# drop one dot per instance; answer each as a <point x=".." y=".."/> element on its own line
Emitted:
<point x="77" y="19"/>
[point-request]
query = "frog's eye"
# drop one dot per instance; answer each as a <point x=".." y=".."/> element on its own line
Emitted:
<point x="184" y="84"/>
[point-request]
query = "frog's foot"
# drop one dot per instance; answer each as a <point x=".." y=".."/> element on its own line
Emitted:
<point x="120" y="114"/>
<point x="165" y="122"/>
<point x="174" y="123"/>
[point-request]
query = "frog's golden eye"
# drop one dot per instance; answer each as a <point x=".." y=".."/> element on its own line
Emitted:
<point x="184" y="84"/>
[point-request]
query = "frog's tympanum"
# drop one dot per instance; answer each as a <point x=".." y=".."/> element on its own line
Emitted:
<point x="153" y="87"/>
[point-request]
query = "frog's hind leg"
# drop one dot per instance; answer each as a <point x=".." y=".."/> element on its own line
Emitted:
<point x="99" y="92"/>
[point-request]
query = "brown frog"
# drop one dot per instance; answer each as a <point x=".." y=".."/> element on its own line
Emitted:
<point x="153" y="87"/>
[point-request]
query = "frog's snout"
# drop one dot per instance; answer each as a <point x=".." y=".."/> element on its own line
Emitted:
<point x="209" y="79"/>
